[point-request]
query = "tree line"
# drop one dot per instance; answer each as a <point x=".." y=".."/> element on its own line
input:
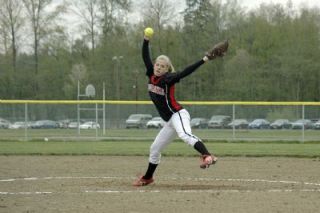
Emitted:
<point x="274" y="49"/>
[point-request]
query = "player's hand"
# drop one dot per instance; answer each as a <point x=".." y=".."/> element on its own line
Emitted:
<point x="148" y="33"/>
<point x="146" y="38"/>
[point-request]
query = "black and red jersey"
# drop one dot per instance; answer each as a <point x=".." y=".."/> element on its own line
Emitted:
<point x="161" y="89"/>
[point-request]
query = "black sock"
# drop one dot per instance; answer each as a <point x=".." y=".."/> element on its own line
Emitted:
<point x="201" y="148"/>
<point x="151" y="168"/>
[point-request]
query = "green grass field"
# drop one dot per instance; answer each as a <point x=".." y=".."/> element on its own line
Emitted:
<point x="177" y="148"/>
<point x="149" y="134"/>
<point x="137" y="142"/>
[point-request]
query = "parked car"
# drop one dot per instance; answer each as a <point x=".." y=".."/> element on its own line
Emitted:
<point x="44" y="124"/>
<point x="239" y="124"/>
<point x="299" y="124"/>
<point x="138" y="120"/>
<point x="281" y="124"/>
<point x="156" y="122"/>
<point x="316" y="125"/>
<point x="4" y="124"/>
<point x="90" y="125"/>
<point x="19" y="125"/>
<point x="199" y="123"/>
<point x="259" y="124"/>
<point x="73" y="125"/>
<point x="63" y="124"/>
<point x="219" y="121"/>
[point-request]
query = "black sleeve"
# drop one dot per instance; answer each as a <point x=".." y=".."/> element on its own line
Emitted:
<point x="175" y="77"/>
<point x="146" y="58"/>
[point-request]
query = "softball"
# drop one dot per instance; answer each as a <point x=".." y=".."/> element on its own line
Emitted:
<point x="148" y="32"/>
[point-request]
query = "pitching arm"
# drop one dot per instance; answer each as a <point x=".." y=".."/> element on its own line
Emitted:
<point x="146" y="57"/>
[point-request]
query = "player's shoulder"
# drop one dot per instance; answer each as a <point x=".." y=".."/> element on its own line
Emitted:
<point x="170" y="74"/>
<point x="171" y="78"/>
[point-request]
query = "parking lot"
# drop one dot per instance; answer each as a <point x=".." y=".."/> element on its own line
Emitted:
<point x="147" y="121"/>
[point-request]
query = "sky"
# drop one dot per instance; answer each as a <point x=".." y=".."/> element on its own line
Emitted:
<point x="134" y="17"/>
<point x="247" y="4"/>
<point x="252" y="4"/>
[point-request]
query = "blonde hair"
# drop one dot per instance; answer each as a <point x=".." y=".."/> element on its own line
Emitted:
<point x="168" y="61"/>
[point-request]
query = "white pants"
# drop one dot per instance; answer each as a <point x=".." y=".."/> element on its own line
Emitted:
<point x="179" y="124"/>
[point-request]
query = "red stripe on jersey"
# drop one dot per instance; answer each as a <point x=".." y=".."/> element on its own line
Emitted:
<point x="173" y="101"/>
<point x="155" y="80"/>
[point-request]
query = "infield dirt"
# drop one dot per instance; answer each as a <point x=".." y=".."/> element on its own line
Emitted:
<point x="104" y="184"/>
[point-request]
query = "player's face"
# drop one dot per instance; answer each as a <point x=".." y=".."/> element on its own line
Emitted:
<point x="160" y="68"/>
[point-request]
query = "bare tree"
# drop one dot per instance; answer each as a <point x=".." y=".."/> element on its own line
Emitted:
<point x="112" y="11"/>
<point x="12" y="21"/>
<point x="159" y="14"/>
<point x="4" y="37"/>
<point x="41" y="21"/>
<point x="78" y="73"/>
<point x="88" y="11"/>
<point x="99" y="16"/>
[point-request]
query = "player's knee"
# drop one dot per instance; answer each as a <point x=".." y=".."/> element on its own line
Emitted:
<point x="154" y="148"/>
<point x="187" y="138"/>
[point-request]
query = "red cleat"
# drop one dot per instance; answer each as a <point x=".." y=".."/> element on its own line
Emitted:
<point x="207" y="160"/>
<point x="142" y="182"/>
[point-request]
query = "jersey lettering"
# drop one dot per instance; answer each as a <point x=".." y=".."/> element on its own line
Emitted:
<point x="156" y="89"/>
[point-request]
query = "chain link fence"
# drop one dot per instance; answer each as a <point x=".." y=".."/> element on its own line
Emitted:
<point x="107" y="120"/>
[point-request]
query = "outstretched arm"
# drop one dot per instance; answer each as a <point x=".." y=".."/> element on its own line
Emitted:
<point x="218" y="50"/>
<point x="146" y="57"/>
<point x="175" y="77"/>
<point x="190" y="69"/>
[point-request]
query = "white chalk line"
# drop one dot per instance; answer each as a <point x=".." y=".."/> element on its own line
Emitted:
<point x="24" y="193"/>
<point x="159" y="191"/>
<point x="166" y="178"/>
<point x="203" y="190"/>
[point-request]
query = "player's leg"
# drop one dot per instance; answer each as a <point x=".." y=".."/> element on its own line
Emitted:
<point x="181" y="123"/>
<point x="164" y="137"/>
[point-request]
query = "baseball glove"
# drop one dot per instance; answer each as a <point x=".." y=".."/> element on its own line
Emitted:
<point x="218" y="50"/>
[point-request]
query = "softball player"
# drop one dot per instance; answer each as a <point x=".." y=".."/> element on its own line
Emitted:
<point x="161" y="87"/>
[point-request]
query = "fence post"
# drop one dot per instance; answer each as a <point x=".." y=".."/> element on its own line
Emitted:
<point x="303" y="116"/>
<point x="26" y="121"/>
<point x="233" y="117"/>
<point x="78" y="109"/>
<point x="104" y="109"/>
<point x="96" y="121"/>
